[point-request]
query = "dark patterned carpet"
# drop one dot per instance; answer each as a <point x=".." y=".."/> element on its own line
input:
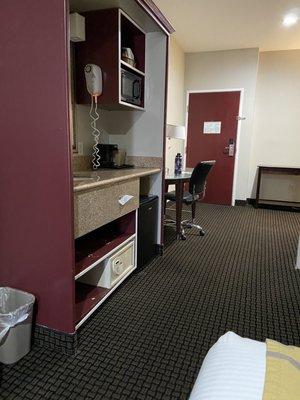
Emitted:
<point x="149" y="339"/>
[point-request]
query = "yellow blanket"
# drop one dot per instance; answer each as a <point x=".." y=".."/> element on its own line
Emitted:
<point x="282" y="373"/>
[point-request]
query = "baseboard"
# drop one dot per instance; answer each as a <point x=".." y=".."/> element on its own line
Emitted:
<point x="246" y="202"/>
<point x="159" y="249"/>
<point x="252" y="202"/>
<point x="240" y="202"/>
<point x="65" y="343"/>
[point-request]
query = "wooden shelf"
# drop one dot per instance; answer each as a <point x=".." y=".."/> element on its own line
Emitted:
<point x="131" y="68"/>
<point x="127" y="104"/>
<point x="87" y="298"/>
<point x="94" y="249"/>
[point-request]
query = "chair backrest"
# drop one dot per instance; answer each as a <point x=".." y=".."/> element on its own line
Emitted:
<point x="199" y="175"/>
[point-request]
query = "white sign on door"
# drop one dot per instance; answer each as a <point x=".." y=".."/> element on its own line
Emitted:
<point x="212" y="127"/>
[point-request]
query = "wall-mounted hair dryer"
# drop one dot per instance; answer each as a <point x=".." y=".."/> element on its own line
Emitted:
<point x="93" y="78"/>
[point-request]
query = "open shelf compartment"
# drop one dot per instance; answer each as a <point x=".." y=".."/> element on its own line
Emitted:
<point x="133" y="37"/>
<point x="90" y="249"/>
<point x="88" y="297"/>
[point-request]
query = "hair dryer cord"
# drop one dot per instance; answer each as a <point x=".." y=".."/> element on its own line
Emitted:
<point x="96" y="134"/>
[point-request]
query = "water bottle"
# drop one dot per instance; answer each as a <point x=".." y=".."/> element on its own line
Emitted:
<point x="178" y="164"/>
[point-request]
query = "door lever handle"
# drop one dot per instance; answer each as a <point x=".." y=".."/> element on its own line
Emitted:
<point x="230" y="149"/>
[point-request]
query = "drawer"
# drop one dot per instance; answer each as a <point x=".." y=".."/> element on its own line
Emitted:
<point x="99" y="206"/>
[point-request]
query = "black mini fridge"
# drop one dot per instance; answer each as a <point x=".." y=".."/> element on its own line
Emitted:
<point x="147" y="230"/>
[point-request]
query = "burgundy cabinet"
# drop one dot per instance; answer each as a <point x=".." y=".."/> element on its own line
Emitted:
<point x="107" y="31"/>
<point x="36" y="203"/>
<point x="37" y="246"/>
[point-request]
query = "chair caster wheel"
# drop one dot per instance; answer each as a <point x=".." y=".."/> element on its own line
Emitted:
<point x="201" y="233"/>
<point x="181" y="235"/>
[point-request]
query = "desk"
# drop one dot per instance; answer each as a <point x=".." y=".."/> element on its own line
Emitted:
<point x="277" y="170"/>
<point x="178" y="181"/>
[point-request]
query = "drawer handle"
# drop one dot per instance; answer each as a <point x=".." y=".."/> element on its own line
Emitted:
<point x="125" y="199"/>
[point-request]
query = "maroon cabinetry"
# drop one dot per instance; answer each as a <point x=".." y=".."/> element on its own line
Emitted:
<point x="107" y="31"/>
<point x="37" y="246"/>
<point x="36" y="200"/>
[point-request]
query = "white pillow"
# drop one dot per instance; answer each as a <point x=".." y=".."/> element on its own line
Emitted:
<point x="233" y="369"/>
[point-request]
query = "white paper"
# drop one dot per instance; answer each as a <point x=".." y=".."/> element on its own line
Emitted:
<point x="212" y="127"/>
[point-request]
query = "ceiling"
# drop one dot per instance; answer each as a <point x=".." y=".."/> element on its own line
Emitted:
<point x="208" y="25"/>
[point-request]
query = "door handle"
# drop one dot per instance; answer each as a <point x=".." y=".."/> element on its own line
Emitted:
<point x="136" y="89"/>
<point x="230" y="149"/>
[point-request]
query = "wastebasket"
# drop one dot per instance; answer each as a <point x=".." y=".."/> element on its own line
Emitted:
<point x="15" y="324"/>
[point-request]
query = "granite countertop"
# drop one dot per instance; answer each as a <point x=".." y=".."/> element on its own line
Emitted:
<point x="84" y="180"/>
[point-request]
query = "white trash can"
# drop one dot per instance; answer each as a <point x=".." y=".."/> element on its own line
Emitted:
<point x="16" y="309"/>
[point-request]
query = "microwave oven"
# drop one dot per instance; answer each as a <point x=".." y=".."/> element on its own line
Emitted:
<point x="131" y="88"/>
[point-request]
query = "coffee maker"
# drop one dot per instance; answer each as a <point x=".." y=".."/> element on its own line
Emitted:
<point x="106" y="152"/>
<point x="110" y="157"/>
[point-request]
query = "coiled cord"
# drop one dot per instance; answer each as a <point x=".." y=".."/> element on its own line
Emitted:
<point x="95" y="132"/>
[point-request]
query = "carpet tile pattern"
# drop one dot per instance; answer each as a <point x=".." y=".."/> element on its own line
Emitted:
<point x="149" y="339"/>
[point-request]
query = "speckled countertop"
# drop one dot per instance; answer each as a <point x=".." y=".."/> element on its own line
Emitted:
<point x="84" y="180"/>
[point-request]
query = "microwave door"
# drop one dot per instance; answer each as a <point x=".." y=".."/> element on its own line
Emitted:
<point x="131" y="88"/>
<point x="126" y="86"/>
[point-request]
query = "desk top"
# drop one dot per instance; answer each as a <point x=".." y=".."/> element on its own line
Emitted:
<point x="184" y="176"/>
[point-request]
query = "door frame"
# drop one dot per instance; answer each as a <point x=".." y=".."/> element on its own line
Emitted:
<point x="237" y="146"/>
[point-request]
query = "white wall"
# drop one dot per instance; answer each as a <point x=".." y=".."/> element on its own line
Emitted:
<point x="233" y="69"/>
<point x="176" y="100"/>
<point x="176" y="75"/>
<point x="141" y="133"/>
<point x="84" y="131"/>
<point x="276" y="139"/>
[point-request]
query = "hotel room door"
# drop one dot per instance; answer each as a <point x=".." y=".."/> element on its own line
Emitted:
<point x="212" y="133"/>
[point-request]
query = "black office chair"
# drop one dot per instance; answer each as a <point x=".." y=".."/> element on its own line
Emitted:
<point x="197" y="186"/>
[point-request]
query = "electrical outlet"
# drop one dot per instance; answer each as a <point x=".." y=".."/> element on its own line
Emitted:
<point x="80" y="148"/>
<point x="292" y="187"/>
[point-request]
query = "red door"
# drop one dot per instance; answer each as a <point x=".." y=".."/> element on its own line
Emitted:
<point x="212" y="132"/>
